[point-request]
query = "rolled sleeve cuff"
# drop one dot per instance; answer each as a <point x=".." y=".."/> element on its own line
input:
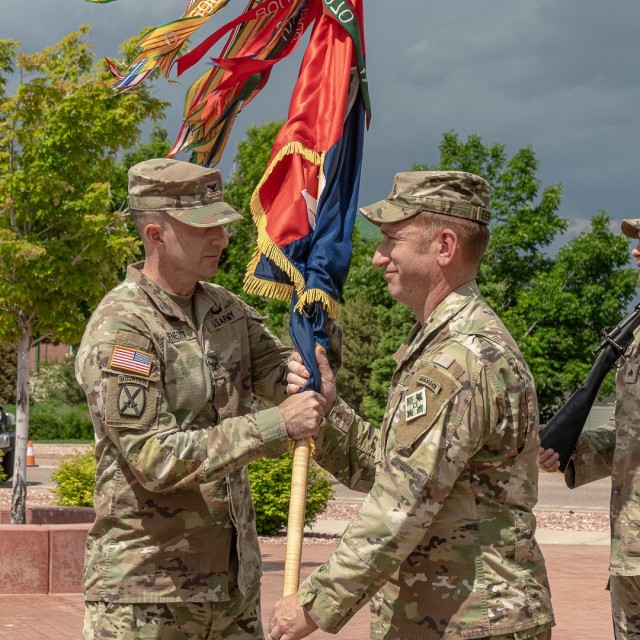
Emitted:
<point x="273" y="432"/>
<point x="341" y="415"/>
<point x="323" y="611"/>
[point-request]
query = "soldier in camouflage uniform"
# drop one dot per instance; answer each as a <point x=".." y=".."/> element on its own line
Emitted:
<point x="170" y="364"/>
<point x="443" y="545"/>
<point x="613" y="449"/>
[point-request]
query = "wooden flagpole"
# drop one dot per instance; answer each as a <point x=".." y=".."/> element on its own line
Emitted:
<point x="295" y="524"/>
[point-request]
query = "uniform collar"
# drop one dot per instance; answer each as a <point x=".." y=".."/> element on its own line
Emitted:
<point x="164" y="303"/>
<point x="439" y="317"/>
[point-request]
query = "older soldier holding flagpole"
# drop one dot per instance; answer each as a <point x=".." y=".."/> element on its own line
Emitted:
<point x="443" y="545"/>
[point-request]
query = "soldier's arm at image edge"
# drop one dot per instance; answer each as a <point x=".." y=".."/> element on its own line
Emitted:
<point x="593" y="457"/>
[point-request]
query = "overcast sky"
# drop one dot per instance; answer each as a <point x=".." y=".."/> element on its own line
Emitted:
<point x="561" y="76"/>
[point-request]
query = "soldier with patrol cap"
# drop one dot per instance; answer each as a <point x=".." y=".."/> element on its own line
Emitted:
<point x="169" y="364"/>
<point x="443" y="545"/>
<point x="613" y="449"/>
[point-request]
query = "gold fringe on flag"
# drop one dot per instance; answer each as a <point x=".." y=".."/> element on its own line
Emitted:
<point x="266" y="246"/>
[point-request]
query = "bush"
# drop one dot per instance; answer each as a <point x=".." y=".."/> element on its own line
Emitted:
<point x="3" y="475"/>
<point x="56" y="381"/>
<point x="271" y="489"/>
<point x="59" y="421"/>
<point x="76" y="480"/>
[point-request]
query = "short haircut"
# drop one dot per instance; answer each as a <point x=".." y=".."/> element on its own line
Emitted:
<point x="472" y="236"/>
<point x="142" y="218"/>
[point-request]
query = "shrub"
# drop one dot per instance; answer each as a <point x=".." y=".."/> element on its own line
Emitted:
<point x="271" y="489"/>
<point x="3" y="475"/>
<point x="56" y="381"/>
<point x="59" y="421"/>
<point x="76" y="480"/>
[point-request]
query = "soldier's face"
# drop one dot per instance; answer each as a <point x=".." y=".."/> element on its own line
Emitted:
<point x="635" y="253"/>
<point x="408" y="261"/>
<point x="194" y="252"/>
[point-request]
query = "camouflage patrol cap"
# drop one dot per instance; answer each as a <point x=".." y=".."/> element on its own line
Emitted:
<point x="631" y="227"/>
<point x="453" y="193"/>
<point x="187" y="192"/>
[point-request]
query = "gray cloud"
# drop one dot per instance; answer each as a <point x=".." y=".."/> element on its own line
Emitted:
<point x="561" y="76"/>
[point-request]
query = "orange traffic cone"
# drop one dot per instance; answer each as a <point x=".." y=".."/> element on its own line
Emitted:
<point x="31" y="458"/>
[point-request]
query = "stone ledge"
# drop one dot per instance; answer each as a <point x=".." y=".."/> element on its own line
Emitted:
<point x="51" y="515"/>
<point x="43" y="558"/>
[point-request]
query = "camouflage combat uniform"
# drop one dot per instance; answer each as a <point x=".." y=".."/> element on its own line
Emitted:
<point x="613" y="449"/>
<point x="171" y="404"/>
<point x="444" y="542"/>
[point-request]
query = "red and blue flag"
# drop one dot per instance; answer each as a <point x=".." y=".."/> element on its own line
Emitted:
<point x="305" y="205"/>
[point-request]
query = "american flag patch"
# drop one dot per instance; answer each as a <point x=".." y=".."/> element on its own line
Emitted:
<point x="129" y="359"/>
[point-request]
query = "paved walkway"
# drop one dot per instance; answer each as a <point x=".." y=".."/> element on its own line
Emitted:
<point x="577" y="573"/>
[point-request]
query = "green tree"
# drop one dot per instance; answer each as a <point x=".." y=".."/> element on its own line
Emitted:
<point x="61" y="242"/>
<point x="558" y="319"/>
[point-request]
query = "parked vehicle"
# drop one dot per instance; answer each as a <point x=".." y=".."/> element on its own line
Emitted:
<point x="7" y="441"/>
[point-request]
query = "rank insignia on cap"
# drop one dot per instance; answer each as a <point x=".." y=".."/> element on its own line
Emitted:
<point x="132" y="399"/>
<point x="129" y="359"/>
<point x="415" y="405"/>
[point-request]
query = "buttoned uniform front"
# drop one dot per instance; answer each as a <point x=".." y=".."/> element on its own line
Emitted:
<point x="172" y="497"/>
<point x="444" y="542"/>
<point x="613" y="449"/>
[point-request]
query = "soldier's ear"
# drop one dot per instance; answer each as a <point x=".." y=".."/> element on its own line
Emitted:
<point x="153" y="235"/>
<point x="448" y="246"/>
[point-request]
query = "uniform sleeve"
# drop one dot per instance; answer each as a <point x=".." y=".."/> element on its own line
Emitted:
<point x="269" y="359"/>
<point x="593" y="458"/>
<point x="132" y="410"/>
<point x="347" y="446"/>
<point x="433" y="443"/>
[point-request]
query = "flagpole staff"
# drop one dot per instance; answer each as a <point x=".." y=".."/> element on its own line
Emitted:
<point x="295" y="523"/>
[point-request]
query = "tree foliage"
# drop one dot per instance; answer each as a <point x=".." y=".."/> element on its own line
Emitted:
<point x="61" y="239"/>
<point x="59" y="136"/>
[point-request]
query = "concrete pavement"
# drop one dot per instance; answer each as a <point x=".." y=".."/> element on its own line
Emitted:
<point x="577" y="563"/>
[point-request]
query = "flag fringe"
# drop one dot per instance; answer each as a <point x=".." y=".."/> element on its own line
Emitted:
<point x="267" y="288"/>
<point x="266" y="246"/>
<point x="311" y="296"/>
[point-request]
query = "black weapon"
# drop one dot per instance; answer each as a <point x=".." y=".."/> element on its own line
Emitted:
<point x="563" y="430"/>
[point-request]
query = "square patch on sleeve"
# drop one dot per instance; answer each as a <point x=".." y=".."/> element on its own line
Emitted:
<point x="415" y="405"/>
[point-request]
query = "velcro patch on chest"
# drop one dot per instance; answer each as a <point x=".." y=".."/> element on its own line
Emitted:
<point x="631" y="374"/>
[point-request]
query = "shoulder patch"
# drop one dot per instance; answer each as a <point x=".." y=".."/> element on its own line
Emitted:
<point x="631" y="374"/>
<point x="429" y="382"/>
<point x="130" y="359"/>
<point x="425" y="403"/>
<point x="415" y="405"/>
